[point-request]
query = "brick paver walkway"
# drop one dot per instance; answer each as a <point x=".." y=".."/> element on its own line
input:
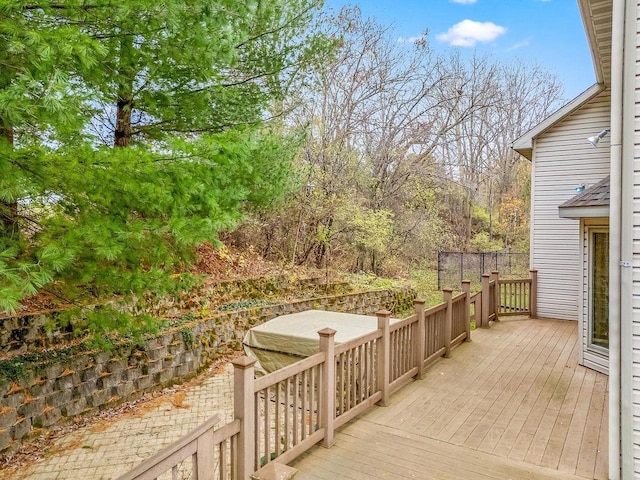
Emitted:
<point x="110" y="448"/>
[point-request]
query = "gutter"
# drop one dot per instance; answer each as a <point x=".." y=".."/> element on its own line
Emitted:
<point x="615" y="236"/>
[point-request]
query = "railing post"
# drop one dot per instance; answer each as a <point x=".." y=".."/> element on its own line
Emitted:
<point x="420" y="337"/>
<point x="206" y="465"/>
<point x="466" y="288"/>
<point x="328" y="394"/>
<point x="496" y="276"/>
<point x="243" y="409"/>
<point x="383" y="354"/>
<point x="486" y="278"/>
<point x="448" y="295"/>
<point x="533" y="294"/>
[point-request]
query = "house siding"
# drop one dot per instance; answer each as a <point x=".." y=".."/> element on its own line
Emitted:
<point x="562" y="160"/>
<point x="635" y="331"/>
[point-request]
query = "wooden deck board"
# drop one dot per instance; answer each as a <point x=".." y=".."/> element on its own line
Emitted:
<point x="591" y="435"/>
<point x="540" y="421"/>
<point x="511" y="404"/>
<point x="483" y="403"/>
<point x="527" y="372"/>
<point x="520" y="431"/>
<point x="501" y="413"/>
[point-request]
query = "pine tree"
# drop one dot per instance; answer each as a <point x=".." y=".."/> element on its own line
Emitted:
<point x="134" y="131"/>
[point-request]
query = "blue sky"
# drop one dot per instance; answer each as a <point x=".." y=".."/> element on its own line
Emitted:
<point x="548" y="32"/>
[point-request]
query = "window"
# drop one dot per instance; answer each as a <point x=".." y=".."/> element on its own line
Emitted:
<point x="599" y="283"/>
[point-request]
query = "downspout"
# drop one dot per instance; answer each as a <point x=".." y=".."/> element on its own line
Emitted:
<point x="627" y="161"/>
<point x="615" y="223"/>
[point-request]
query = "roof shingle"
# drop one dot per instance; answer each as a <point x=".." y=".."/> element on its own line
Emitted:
<point x="595" y="196"/>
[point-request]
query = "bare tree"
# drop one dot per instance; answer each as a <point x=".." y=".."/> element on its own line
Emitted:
<point x="402" y="144"/>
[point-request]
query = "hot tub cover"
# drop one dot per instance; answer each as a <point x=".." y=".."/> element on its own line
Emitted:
<point x="288" y="338"/>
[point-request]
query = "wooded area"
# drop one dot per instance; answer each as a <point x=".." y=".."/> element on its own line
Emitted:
<point x="132" y="132"/>
<point x="407" y="153"/>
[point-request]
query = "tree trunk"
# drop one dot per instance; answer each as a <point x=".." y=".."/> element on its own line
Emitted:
<point x="124" y="106"/>
<point x="122" y="135"/>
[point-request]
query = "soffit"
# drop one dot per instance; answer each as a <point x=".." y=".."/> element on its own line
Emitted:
<point x="596" y="16"/>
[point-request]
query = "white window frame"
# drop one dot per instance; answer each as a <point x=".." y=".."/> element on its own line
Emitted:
<point x="597" y="349"/>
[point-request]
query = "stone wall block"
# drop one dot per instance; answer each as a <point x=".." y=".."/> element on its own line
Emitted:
<point x="183" y="369"/>
<point x="41" y="387"/>
<point x="5" y="439"/>
<point x="144" y="382"/>
<point x="102" y="357"/>
<point x="8" y="417"/>
<point x="155" y="366"/>
<point x="163" y="376"/>
<point x="116" y="365"/>
<point x="74" y="408"/>
<point x="124" y="389"/>
<point x="90" y="373"/>
<point x="85" y="389"/>
<point x="59" y="397"/>
<point x="14" y="399"/>
<point x="158" y="353"/>
<point x="32" y="407"/>
<point x="65" y="383"/>
<point x="106" y="381"/>
<point x="49" y="416"/>
<point x="52" y="372"/>
<point x="98" y="398"/>
<point x="132" y="374"/>
<point x="21" y="428"/>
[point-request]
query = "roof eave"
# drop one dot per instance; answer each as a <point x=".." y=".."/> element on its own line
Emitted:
<point x="587" y="21"/>
<point x="599" y="211"/>
<point x="524" y="144"/>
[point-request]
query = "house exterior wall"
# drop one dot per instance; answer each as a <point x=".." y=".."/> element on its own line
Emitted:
<point x="633" y="376"/>
<point x="562" y="160"/>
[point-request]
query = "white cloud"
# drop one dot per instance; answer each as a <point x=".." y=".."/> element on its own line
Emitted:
<point x="468" y="33"/>
<point x="519" y="45"/>
<point x="467" y="2"/>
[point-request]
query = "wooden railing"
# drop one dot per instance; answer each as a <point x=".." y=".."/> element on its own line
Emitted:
<point x="203" y="454"/>
<point x="518" y="297"/>
<point x="281" y="415"/>
<point x="475" y="309"/>
<point x="286" y="407"/>
<point x="356" y="376"/>
<point x="435" y="344"/>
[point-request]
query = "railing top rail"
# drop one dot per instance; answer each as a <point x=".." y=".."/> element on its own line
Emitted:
<point x="517" y="280"/>
<point x="475" y="297"/>
<point x="435" y="309"/>
<point x="459" y="297"/>
<point x="165" y="453"/>
<point x="356" y="342"/>
<point x="288" y="371"/>
<point x="403" y="323"/>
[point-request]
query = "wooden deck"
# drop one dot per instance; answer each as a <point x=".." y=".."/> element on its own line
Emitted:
<point x="513" y="404"/>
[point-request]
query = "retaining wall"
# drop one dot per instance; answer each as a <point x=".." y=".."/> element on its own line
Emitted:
<point x="48" y="388"/>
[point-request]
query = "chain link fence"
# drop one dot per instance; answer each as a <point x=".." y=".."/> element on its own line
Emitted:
<point x="453" y="267"/>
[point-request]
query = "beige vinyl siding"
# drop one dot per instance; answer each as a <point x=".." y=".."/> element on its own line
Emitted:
<point x="635" y="373"/>
<point x="563" y="159"/>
